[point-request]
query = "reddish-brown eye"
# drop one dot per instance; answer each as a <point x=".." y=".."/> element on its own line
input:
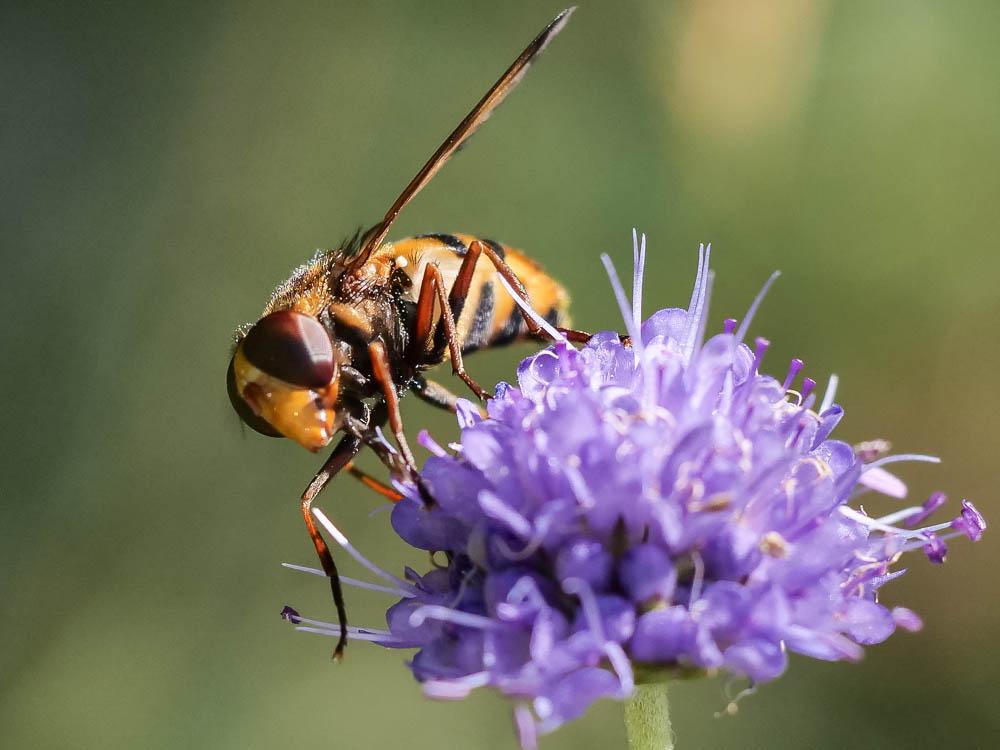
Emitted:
<point x="292" y="347"/>
<point x="243" y="409"/>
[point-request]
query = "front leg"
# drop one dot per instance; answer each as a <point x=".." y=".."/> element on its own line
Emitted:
<point x="346" y="449"/>
<point x="381" y="369"/>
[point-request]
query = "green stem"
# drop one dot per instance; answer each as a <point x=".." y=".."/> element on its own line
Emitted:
<point x="647" y="718"/>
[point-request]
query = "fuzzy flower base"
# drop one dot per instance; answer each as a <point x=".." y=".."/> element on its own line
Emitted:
<point x="659" y="506"/>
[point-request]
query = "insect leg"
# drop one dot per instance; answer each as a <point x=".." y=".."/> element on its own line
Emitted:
<point x="383" y="376"/>
<point x="424" y="316"/>
<point x="399" y="466"/>
<point x="346" y="449"/>
<point x="450" y="331"/>
<point x="372" y="483"/>
<point x="478" y="247"/>
<point x="435" y="394"/>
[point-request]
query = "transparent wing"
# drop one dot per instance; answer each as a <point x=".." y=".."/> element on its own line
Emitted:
<point x="479" y="114"/>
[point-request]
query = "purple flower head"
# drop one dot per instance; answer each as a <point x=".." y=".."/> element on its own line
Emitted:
<point x="654" y="506"/>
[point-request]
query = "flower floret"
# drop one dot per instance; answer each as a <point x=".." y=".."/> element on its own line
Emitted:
<point x="656" y="505"/>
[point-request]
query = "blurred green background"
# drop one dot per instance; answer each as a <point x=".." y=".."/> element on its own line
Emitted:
<point x="164" y="165"/>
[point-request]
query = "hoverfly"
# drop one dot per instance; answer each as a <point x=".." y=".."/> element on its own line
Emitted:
<point x="355" y="328"/>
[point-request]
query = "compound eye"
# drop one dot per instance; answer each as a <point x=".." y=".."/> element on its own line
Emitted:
<point x="292" y="347"/>
<point x="242" y="408"/>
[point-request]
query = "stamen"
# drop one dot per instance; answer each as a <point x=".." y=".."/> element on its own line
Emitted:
<point x="741" y="332"/>
<point x="533" y="544"/>
<point x="830" y="395"/>
<point x="424" y="438"/>
<point x="454" y="616"/>
<point x="933" y="531"/>
<point x="581" y="589"/>
<point x="630" y="323"/>
<point x="902" y="457"/>
<point x="622" y="666"/>
<point x="498" y="510"/>
<point x="726" y="397"/>
<point x="524" y="723"/>
<point x="462" y="587"/>
<point x="971" y="522"/>
<point x="696" y="309"/>
<point x="900" y="515"/>
<point x="351" y="581"/>
<point x="935" y="549"/>
<point x="384" y="442"/>
<point x="729" y="325"/>
<point x="579" y="486"/>
<point x="340" y="539"/>
<point x="351" y="629"/>
<point x="807" y="387"/>
<point x="524" y="591"/>
<point x="638" y="270"/>
<point x="697" y="279"/>
<point x="873" y="523"/>
<point x="929" y="507"/>
<point x="542" y="322"/>
<point x="353" y="636"/>
<point x="799" y="429"/>
<point x="774" y="545"/>
<point x="793" y="369"/>
<point x="592" y="614"/>
<point x="456" y="687"/>
<point x="760" y="348"/>
<point x="699" y="338"/>
<point x="732" y="708"/>
<point x="697" y="579"/>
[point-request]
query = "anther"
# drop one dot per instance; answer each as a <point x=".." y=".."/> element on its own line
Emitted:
<point x="760" y="346"/>
<point x="729" y="325"/>
<point x="935" y="549"/>
<point x="929" y="508"/>
<point x="794" y="367"/>
<point x="774" y="545"/>
<point x="807" y="387"/>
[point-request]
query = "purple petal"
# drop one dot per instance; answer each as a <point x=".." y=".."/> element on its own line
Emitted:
<point x="646" y="572"/>
<point x="880" y="480"/>
<point x="617" y="618"/>
<point x="907" y="619"/>
<point x="867" y="622"/>
<point x="662" y="636"/>
<point x="427" y="528"/>
<point x="571" y="695"/>
<point x="758" y="659"/>
<point x="467" y="413"/>
<point x="665" y="325"/>
<point x="586" y="559"/>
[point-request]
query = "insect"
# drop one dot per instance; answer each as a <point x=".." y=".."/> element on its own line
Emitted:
<point x="355" y="328"/>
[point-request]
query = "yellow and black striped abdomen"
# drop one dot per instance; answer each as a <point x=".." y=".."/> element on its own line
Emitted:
<point x="489" y="316"/>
